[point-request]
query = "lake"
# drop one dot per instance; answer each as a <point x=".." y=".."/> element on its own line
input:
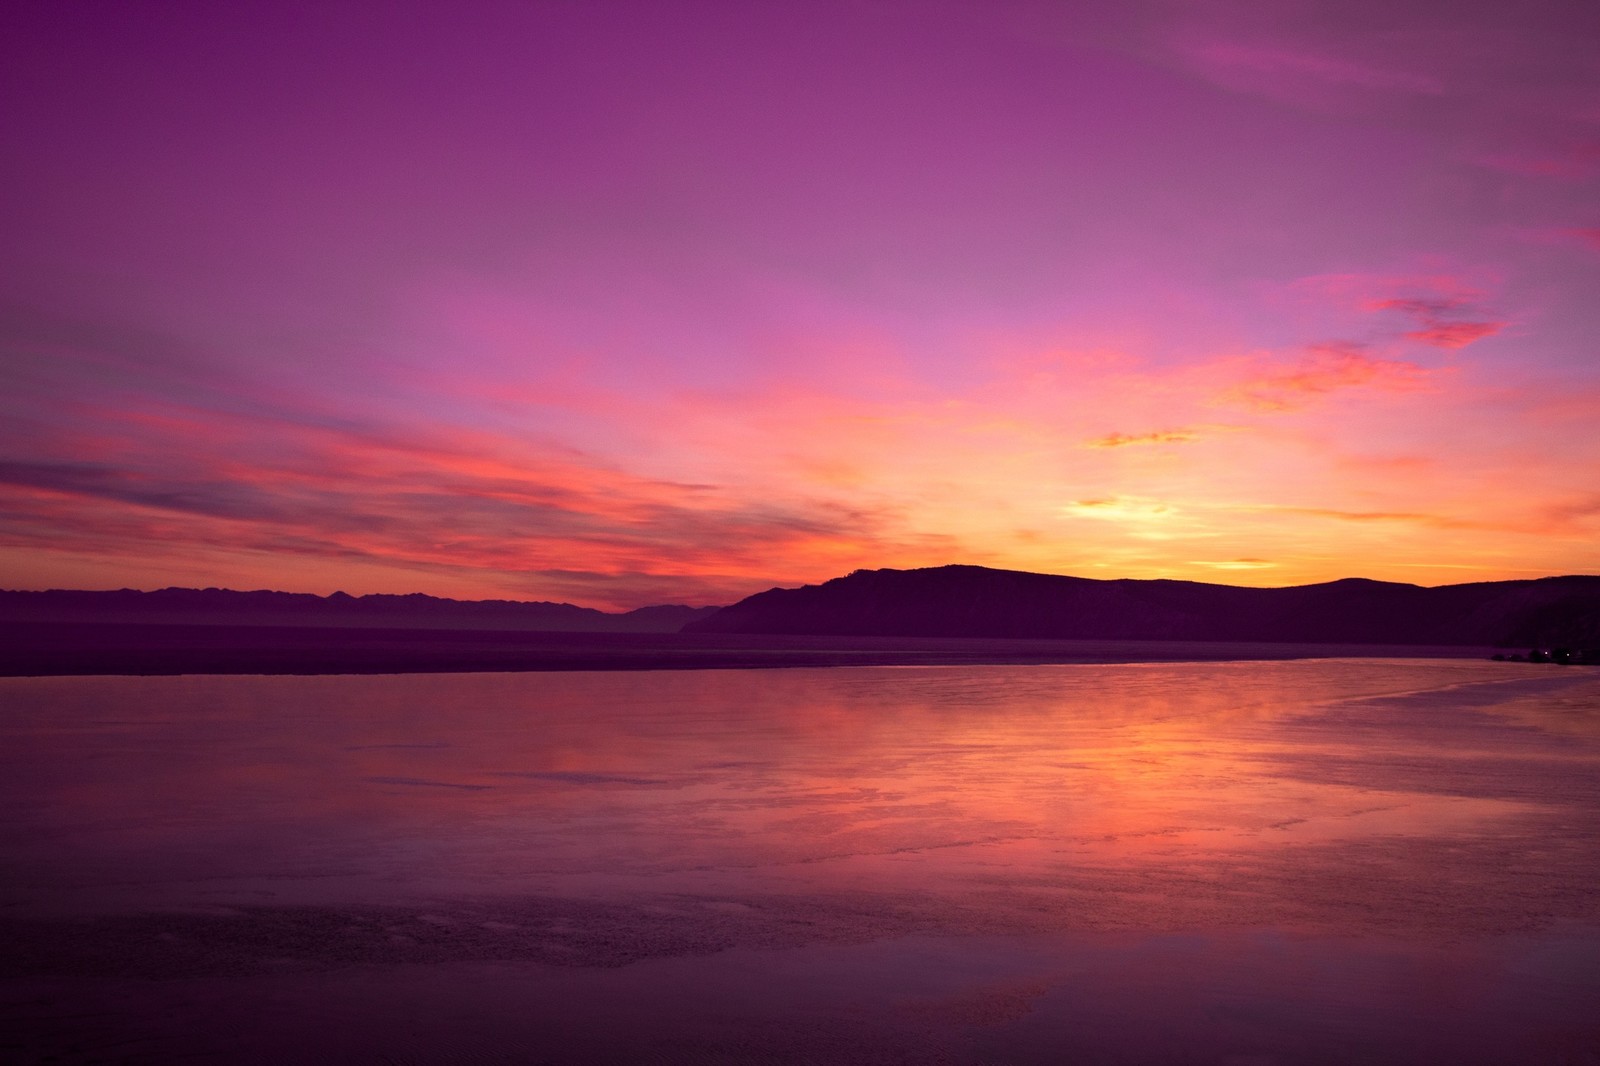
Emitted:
<point x="1314" y="861"/>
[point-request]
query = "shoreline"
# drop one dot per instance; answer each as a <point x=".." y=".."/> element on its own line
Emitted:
<point x="66" y="649"/>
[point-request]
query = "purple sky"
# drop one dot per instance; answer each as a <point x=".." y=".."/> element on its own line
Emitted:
<point x="631" y="303"/>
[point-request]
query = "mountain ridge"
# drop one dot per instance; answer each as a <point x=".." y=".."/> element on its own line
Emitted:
<point x="415" y="610"/>
<point x="975" y="601"/>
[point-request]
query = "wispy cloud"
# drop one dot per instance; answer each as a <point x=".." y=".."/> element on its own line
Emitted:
<point x="1163" y="436"/>
<point x="1271" y="65"/>
<point x="1589" y="237"/>
<point x="1444" y="311"/>
<point x="1455" y="334"/>
<point x="1297" y="72"/>
<point x="1418" y="518"/>
<point x="485" y="505"/>
<point x="1324" y="369"/>
<point x="1121" y="509"/>
<point x="1140" y="517"/>
<point x="1568" y="163"/>
<point x="1444" y="322"/>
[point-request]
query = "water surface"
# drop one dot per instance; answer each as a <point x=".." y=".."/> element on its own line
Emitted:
<point x="1307" y="861"/>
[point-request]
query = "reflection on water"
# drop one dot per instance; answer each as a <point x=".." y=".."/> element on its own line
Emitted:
<point x="1066" y="839"/>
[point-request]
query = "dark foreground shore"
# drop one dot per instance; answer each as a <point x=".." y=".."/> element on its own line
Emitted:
<point x="72" y="648"/>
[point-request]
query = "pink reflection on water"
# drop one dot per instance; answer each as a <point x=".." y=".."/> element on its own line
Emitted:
<point x="1273" y="862"/>
<point x="944" y="780"/>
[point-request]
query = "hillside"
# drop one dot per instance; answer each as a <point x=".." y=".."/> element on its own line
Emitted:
<point x="974" y="601"/>
<point x="180" y="606"/>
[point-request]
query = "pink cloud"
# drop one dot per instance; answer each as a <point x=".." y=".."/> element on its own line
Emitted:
<point x="1424" y="308"/>
<point x="1446" y="310"/>
<point x="1573" y="163"/>
<point x="1590" y="237"/>
<point x="1454" y="335"/>
<point x="1373" y="291"/>
<point x="1298" y="74"/>
<point x="1438" y="323"/>
<point x="1275" y="62"/>
<point x="1324" y="369"/>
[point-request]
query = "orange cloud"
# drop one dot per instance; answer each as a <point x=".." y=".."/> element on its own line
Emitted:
<point x="1168" y="436"/>
<point x="617" y="498"/>
<point x="489" y="509"/>
<point x="1412" y="517"/>
<point x="1580" y="514"/>
<point x="1118" y="508"/>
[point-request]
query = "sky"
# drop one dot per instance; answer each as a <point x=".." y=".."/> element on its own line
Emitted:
<point x="632" y="303"/>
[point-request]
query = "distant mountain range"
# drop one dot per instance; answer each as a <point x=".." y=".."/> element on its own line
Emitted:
<point x="177" y="606"/>
<point x="945" y="601"/>
<point x="974" y="601"/>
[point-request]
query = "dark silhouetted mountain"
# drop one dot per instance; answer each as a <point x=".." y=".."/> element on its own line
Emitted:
<point x="974" y="601"/>
<point x="415" y="611"/>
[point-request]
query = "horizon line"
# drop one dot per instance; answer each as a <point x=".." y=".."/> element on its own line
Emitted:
<point x="338" y="593"/>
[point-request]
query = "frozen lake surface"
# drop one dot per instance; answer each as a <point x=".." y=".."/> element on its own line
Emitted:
<point x="1322" y="861"/>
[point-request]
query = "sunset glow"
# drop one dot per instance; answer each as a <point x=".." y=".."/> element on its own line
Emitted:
<point x="623" y="304"/>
